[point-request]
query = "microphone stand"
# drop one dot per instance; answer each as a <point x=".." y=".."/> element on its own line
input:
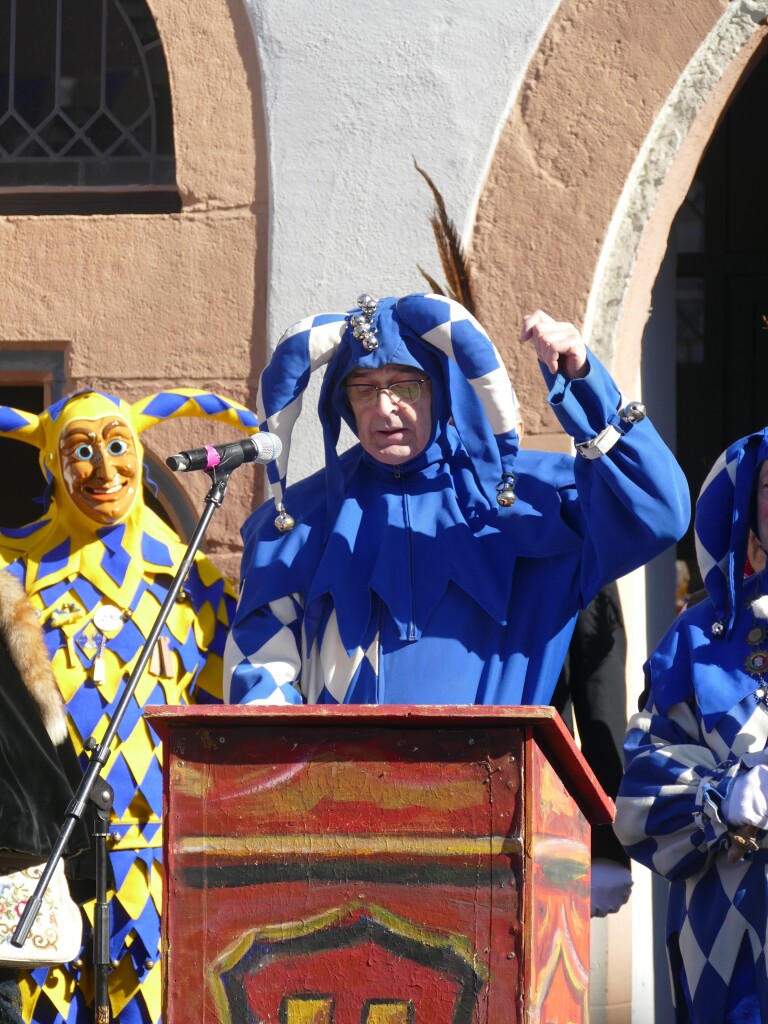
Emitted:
<point x="94" y="788"/>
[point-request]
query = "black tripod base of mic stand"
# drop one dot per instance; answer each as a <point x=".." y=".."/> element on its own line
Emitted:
<point x="102" y="797"/>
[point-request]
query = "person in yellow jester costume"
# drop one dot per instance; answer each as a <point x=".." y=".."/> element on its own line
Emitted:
<point x="97" y="567"/>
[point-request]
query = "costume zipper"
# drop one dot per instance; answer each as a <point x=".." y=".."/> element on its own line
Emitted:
<point x="407" y="517"/>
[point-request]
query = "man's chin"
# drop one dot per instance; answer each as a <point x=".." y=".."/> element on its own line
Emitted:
<point x="394" y="455"/>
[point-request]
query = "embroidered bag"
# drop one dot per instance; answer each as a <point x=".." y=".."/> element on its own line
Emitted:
<point x="56" y="934"/>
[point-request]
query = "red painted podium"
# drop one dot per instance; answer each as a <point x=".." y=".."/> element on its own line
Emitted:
<point x="375" y="865"/>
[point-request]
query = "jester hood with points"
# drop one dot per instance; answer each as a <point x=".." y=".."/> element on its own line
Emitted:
<point x="725" y="513"/>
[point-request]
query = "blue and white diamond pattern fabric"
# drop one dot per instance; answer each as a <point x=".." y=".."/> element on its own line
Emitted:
<point x="679" y="766"/>
<point x="264" y="669"/>
<point x="713" y="534"/>
<point x="460" y="337"/>
<point x="707" y="918"/>
<point x="723" y="517"/>
<point x="705" y="721"/>
<point x="331" y="672"/>
<point x="404" y="330"/>
<point x="269" y="668"/>
<point x="304" y="348"/>
<point x="490" y="438"/>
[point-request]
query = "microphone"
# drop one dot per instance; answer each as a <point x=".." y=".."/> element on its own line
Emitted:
<point x="261" y="447"/>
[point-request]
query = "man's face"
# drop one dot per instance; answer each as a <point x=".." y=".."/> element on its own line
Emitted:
<point x="100" y="467"/>
<point x="762" y="504"/>
<point x="392" y="430"/>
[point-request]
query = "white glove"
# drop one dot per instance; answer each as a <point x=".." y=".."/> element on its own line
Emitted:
<point x="611" y="886"/>
<point x="747" y="801"/>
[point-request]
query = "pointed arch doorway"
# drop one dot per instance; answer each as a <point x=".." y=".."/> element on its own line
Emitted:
<point x="575" y="216"/>
<point x="711" y="296"/>
<point x="705" y="353"/>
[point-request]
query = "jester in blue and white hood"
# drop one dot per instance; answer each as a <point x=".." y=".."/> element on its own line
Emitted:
<point x="693" y="803"/>
<point x="434" y="562"/>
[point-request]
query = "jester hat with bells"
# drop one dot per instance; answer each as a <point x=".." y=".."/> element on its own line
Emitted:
<point x="726" y="510"/>
<point x="344" y="535"/>
<point x="470" y="386"/>
<point x="65" y="539"/>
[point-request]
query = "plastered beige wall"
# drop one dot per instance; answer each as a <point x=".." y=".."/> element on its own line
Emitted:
<point x="142" y="302"/>
<point x="588" y="105"/>
<point x="588" y="102"/>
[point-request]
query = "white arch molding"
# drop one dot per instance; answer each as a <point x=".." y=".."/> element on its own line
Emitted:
<point x="616" y="314"/>
<point x="659" y="180"/>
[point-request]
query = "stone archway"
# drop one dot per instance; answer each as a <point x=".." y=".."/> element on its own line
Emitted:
<point x="594" y="160"/>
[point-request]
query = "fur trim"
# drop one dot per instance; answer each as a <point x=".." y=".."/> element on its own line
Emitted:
<point x="20" y="629"/>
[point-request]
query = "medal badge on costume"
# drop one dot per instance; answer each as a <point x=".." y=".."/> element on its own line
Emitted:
<point x="92" y="640"/>
<point x="64" y="614"/>
<point x="756" y="663"/>
<point x="162" y="663"/>
<point x="108" y="618"/>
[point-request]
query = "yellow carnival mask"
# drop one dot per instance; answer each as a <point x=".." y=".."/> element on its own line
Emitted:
<point x="89" y="443"/>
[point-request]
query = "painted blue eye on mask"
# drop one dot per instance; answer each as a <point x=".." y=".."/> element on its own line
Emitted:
<point x="86" y="452"/>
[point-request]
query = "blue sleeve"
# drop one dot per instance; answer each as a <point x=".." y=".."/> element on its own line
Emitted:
<point x="668" y="805"/>
<point x="631" y="503"/>
<point x="262" y="658"/>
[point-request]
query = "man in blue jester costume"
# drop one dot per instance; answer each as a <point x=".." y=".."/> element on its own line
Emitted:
<point x="97" y="567"/>
<point x="693" y="803"/>
<point x="434" y="562"/>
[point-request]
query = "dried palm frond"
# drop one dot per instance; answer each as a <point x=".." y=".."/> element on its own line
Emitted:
<point x="434" y="286"/>
<point x="450" y="250"/>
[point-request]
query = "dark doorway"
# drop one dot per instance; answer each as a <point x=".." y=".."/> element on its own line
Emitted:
<point x="721" y="239"/>
<point x="21" y="498"/>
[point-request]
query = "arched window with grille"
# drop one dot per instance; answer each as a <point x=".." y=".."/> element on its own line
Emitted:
<point x="85" y="109"/>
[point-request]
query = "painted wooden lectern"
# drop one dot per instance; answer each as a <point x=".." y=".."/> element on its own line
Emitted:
<point x="375" y="865"/>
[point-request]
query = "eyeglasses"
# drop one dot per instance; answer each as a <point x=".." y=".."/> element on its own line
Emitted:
<point x="408" y="391"/>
